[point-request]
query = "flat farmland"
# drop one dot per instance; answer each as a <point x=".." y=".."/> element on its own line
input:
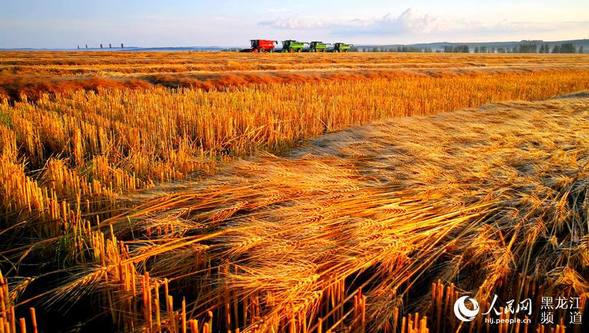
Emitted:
<point x="58" y="71"/>
<point x="312" y="192"/>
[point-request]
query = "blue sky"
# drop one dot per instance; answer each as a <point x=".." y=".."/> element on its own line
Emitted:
<point x="67" y="23"/>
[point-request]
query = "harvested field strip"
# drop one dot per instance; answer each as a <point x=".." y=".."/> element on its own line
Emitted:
<point x="345" y="231"/>
<point x="126" y="62"/>
<point x="66" y="160"/>
<point x="53" y="72"/>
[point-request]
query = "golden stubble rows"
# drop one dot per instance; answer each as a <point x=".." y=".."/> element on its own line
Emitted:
<point x="376" y="228"/>
<point x="340" y="235"/>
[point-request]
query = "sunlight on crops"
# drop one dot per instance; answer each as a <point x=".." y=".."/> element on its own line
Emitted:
<point x="138" y="202"/>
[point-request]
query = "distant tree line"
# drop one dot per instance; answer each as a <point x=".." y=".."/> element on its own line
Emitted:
<point x="457" y="49"/>
<point x="545" y="48"/>
<point x="394" y="49"/>
<point x="523" y="47"/>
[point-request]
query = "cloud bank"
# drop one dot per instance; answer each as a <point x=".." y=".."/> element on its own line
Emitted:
<point x="413" y="25"/>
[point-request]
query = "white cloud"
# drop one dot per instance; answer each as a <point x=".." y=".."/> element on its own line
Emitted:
<point x="413" y="25"/>
<point x="299" y="23"/>
<point x="409" y="21"/>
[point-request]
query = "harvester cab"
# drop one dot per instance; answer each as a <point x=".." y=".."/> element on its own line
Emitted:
<point x="293" y="46"/>
<point x="262" y="45"/>
<point x="317" y="46"/>
<point x="342" y="47"/>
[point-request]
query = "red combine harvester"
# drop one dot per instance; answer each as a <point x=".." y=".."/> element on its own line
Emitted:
<point x="262" y="45"/>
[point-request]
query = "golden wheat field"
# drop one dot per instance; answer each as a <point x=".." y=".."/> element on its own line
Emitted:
<point x="353" y="192"/>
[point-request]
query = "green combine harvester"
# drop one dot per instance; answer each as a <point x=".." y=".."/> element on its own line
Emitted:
<point x="317" y="46"/>
<point x="293" y="46"/>
<point x="341" y="47"/>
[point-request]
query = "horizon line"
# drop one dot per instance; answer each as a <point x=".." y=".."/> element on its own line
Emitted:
<point x="237" y="46"/>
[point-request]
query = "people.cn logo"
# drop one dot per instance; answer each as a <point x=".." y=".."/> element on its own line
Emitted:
<point x="462" y="312"/>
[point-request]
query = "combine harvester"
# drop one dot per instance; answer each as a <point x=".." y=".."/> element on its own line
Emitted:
<point x="261" y="45"/>
<point x="291" y="45"/>
<point x="341" y="47"/>
<point x="317" y="47"/>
